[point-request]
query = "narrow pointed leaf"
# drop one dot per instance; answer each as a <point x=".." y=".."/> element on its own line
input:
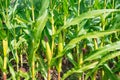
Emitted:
<point x="87" y="15"/>
<point x="102" y="51"/>
<point x="80" y="70"/>
<point x="12" y="72"/>
<point x="73" y="42"/>
<point x="109" y="73"/>
<point x="42" y="67"/>
<point x="40" y="24"/>
<point x="88" y="35"/>
<point x="103" y="60"/>
<point x="45" y="4"/>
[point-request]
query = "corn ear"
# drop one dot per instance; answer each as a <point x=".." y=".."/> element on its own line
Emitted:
<point x="60" y="45"/>
<point x="60" y="49"/>
<point x="48" y="53"/>
<point x="5" y="47"/>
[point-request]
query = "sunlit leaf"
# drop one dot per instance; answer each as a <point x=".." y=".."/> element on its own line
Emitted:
<point x="102" y="51"/>
<point x="87" y="15"/>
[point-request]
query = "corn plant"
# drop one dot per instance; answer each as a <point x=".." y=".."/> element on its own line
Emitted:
<point x="59" y="40"/>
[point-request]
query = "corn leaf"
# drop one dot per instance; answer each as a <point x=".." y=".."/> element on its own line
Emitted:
<point x="12" y="72"/>
<point x="80" y="70"/>
<point x="88" y="35"/>
<point x="109" y="73"/>
<point x="42" y="67"/>
<point x="87" y="15"/>
<point x="1" y="63"/>
<point x="103" y="60"/>
<point x="102" y="51"/>
<point x="73" y="42"/>
<point x="40" y="24"/>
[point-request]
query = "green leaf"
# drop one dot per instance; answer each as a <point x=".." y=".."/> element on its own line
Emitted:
<point x="103" y="60"/>
<point x="80" y="70"/>
<point x="12" y="72"/>
<point x="110" y="56"/>
<point x="94" y="34"/>
<point x="40" y="24"/>
<point x="21" y="20"/>
<point x="42" y="67"/>
<point x="102" y="51"/>
<point x="1" y="62"/>
<point x="71" y="59"/>
<point x="2" y="32"/>
<point x="109" y="73"/>
<point x="86" y="15"/>
<point x="88" y="35"/>
<point x="45" y="4"/>
<point x="65" y="7"/>
<point x="41" y="20"/>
